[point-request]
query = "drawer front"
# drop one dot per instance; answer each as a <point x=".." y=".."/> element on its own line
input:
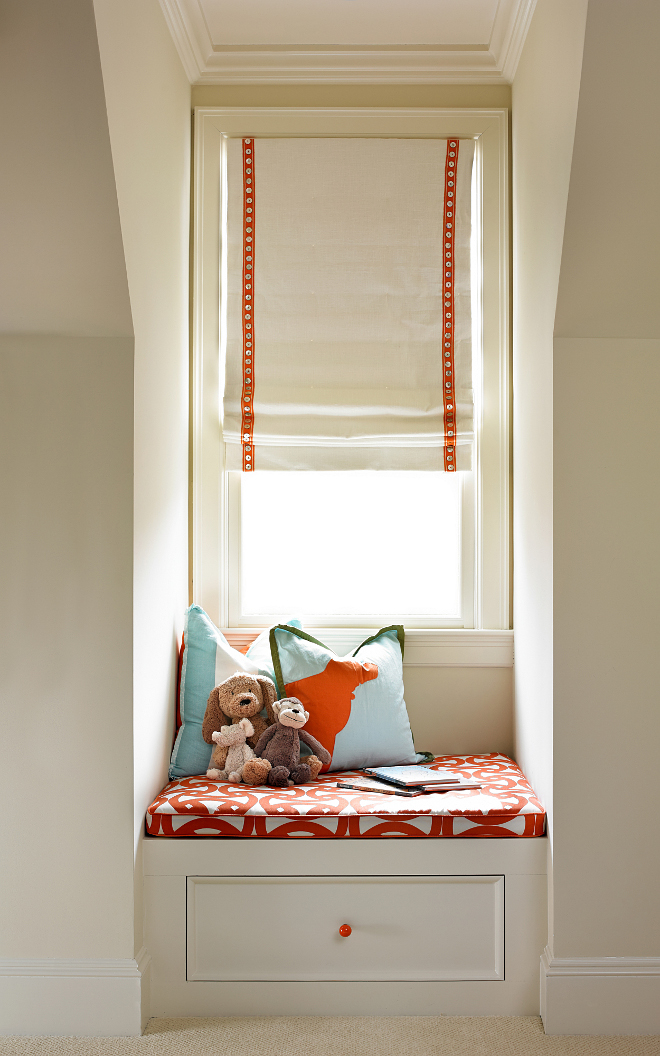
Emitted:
<point x="401" y="928"/>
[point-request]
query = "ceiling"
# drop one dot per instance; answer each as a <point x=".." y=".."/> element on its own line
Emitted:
<point x="349" y="41"/>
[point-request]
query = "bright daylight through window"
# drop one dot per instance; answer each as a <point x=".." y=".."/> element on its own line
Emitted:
<point x="351" y="544"/>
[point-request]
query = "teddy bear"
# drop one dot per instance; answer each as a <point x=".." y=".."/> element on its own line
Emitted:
<point x="236" y="752"/>
<point x="241" y="696"/>
<point x="279" y="746"/>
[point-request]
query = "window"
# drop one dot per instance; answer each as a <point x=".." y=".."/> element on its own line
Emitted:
<point x="430" y="549"/>
<point x="344" y="548"/>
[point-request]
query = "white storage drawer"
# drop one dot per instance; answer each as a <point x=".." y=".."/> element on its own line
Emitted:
<point x="287" y="928"/>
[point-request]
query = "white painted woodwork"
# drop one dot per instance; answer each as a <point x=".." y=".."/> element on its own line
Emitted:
<point x="74" y="996"/>
<point x="354" y="857"/>
<point x="600" y="995"/>
<point x="403" y="928"/>
<point x="424" y="648"/>
<point x="514" y="867"/>
<point x="213" y="558"/>
<point x="330" y="41"/>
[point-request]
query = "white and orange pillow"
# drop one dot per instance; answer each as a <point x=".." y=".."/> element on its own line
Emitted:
<point x="355" y="703"/>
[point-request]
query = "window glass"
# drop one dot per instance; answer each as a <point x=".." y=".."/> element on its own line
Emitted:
<point x="386" y="544"/>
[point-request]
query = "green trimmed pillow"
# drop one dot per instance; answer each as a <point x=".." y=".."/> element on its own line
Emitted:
<point x="355" y="703"/>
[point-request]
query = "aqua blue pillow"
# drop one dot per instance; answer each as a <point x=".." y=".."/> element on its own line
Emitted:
<point x="355" y="703"/>
<point x="208" y="659"/>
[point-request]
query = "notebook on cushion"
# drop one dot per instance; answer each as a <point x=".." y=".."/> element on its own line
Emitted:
<point x="413" y="776"/>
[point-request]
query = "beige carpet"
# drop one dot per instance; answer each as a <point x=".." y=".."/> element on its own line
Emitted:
<point x="339" y="1036"/>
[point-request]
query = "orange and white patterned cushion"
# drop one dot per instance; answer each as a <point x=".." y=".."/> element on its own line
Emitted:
<point x="505" y="806"/>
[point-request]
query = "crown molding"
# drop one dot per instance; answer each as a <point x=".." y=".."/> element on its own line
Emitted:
<point x="348" y="66"/>
<point x="186" y="38"/>
<point x="509" y="35"/>
<point x="206" y="63"/>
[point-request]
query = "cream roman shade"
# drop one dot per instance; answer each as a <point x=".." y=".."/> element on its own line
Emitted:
<point x="347" y="304"/>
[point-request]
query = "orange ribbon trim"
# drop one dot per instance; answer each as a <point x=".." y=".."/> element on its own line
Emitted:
<point x="449" y="233"/>
<point x="247" y="395"/>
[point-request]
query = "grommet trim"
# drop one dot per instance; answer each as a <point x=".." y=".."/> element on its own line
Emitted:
<point x="247" y="394"/>
<point x="448" y="242"/>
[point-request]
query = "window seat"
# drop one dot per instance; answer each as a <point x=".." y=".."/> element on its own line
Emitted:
<point x="505" y="806"/>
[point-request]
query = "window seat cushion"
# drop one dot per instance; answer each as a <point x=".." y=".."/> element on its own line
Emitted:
<point x="505" y="806"/>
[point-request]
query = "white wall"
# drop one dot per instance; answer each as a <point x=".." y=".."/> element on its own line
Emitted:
<point x="460" y="710"/>
<point x="544" y="102"/>
<point x="607" y="439"/>
<point x="61" y="261"/>
<point x="480" y="96"/>
<point x="586" y="442"/>
<point x="66" y="557"/>
<point x="544" y="110"/>
<point x="66" y="422"/>
<point x="148" y="103"/>
<point x="607" y="628"/>
<point x="93" y="429"/>
<point x="66" y="352"/>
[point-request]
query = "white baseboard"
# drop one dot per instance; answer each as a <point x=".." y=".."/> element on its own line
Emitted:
<point x="78" y="998"/>
<point x="600" y="995"/>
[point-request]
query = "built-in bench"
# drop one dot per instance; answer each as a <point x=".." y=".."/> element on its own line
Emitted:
<point x="437" y="922"/>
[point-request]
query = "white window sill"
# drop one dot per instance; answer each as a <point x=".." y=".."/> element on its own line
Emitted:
<point x="424" y="648"/>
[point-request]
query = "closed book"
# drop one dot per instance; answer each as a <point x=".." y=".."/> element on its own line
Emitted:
<point x="460" y="787"/>
<point x="412" y="776"/>
<point x="371" y="784"/>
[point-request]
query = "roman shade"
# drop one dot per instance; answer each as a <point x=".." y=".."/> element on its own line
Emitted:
<point x="346" y="298"/>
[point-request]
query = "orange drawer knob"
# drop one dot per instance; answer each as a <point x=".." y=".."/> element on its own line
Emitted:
<point x="345" y="930"/>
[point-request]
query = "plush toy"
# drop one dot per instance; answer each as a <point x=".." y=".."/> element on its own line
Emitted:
<point x="231" y="752"/>
<point x="279" y="746"/>
<point x="241" y="696"/>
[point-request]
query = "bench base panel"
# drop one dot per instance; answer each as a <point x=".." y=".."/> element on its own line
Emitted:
<point x="458" y="983"/>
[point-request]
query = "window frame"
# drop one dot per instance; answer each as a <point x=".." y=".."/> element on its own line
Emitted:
<point x="213" y="538"/>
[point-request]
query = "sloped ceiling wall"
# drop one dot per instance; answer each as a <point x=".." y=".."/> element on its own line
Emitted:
<point x="66" y="359"/>
<point x="606" y="504"/>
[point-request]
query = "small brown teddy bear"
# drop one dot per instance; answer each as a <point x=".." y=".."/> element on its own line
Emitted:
<point x="241" y="696"/>
<point x="236" y="752"/>
<point x="279" y="746"/>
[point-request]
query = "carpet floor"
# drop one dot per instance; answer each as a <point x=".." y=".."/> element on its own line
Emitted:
<point x="339" y="1036"/>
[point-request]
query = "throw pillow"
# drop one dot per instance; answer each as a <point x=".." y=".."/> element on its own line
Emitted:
<point x="208" y="658"/>
<point x="355" y="703"/>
